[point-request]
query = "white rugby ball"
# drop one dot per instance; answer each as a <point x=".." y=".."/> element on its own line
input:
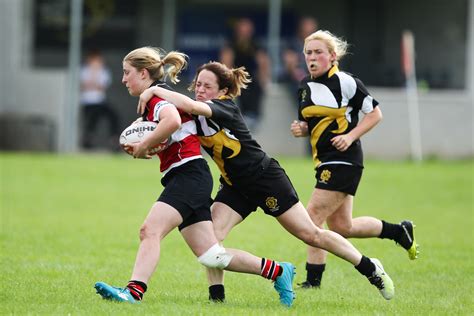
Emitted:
<point x="138" y="131"/>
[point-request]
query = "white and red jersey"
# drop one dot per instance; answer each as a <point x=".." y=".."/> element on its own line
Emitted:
<point x="183" y="145"/>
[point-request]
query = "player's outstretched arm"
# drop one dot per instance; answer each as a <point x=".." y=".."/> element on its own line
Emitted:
<point x="181" y="101"/>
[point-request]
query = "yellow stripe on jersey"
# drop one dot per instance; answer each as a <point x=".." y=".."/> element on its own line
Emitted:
<point x="327" y="115"/>
<point x="217" y="143"/>
<point x="332" y="71"/>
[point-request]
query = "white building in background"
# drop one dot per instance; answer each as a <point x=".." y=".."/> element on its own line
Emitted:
<point x="34" y="76"/>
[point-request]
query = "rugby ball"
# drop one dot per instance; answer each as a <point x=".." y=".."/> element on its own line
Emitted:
<point x="138" y="131"/>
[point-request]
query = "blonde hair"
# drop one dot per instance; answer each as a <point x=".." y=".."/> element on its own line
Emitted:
<point x="334" y="44"/>
<point x="153" y="59"/>
<point x="234" y="79"/>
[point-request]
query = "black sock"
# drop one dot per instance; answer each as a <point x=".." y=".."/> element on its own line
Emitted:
<point x="314" y="273"/>
<point x="390" y="231"/>
<point x="365" y="267"/>
<point x="217" y="293"/>
<point x="137" y="289"/>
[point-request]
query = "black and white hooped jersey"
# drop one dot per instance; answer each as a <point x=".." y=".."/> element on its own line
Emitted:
<point x="226" y="138"/>
<point x="330" y="104"/>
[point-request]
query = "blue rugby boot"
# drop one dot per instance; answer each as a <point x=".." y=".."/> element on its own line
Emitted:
<point x="284" y="284"/>
<point x="117" y="294"/>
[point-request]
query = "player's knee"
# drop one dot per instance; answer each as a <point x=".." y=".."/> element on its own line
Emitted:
<point x="146" y="232"/>
<point x="143" y="232"/>
<point x="342" y="229"/>
<point x="318" y="215"/>
<point x="215" y="257"/>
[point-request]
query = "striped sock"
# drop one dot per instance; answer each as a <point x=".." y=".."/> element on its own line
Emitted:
<point x="270" y="269"/>
<point x="137" y="289"/>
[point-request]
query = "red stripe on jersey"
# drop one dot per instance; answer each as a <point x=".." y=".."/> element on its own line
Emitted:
<point x="185" y="117"/>
<point x="151" y="107"/>
<point x="186" y="148"/>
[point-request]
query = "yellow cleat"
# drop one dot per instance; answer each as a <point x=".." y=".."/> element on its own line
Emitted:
<point x="407" y="240"/>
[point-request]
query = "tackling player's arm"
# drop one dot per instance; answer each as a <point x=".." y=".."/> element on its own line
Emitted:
<point x="181" y="101"/>
<point x="169" y="122"/>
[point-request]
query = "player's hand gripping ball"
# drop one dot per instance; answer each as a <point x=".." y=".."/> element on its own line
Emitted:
<point x="138" y="131"/>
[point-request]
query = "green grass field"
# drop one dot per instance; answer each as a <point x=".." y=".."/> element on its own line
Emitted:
<point x="69" y="221"/>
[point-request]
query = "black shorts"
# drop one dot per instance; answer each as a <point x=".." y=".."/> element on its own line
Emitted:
<point x="188" y="189"/>
<point x="273" y="192"/>
<point x="338" y="177"/>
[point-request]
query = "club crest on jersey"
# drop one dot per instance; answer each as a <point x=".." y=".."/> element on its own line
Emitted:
<point x="303" y="95"/>
<point x="272" y="203"/>
<point x="325" y="176"/>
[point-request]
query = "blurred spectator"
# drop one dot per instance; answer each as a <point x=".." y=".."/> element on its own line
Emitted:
<point x="95" y="80"/>
<point x="242" y="50"/>
<point x="293" y="59"/>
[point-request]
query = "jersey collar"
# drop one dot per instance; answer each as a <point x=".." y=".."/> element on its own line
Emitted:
<point x="157" y="83"/>
<point x="332" y="71"/>
<point x="328" y="74"/>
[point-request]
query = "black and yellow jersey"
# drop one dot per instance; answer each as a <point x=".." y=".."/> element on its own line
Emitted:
<point x="226" y="138"/>
<point x="330" y="104"/>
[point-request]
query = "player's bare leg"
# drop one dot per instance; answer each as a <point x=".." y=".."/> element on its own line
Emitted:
<point x="335" y="208"/>
<point x="161" y="219"/>
<point x="297" y="221"/>
<point x="202" y="241"/>
<point x="223" y="220"/>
